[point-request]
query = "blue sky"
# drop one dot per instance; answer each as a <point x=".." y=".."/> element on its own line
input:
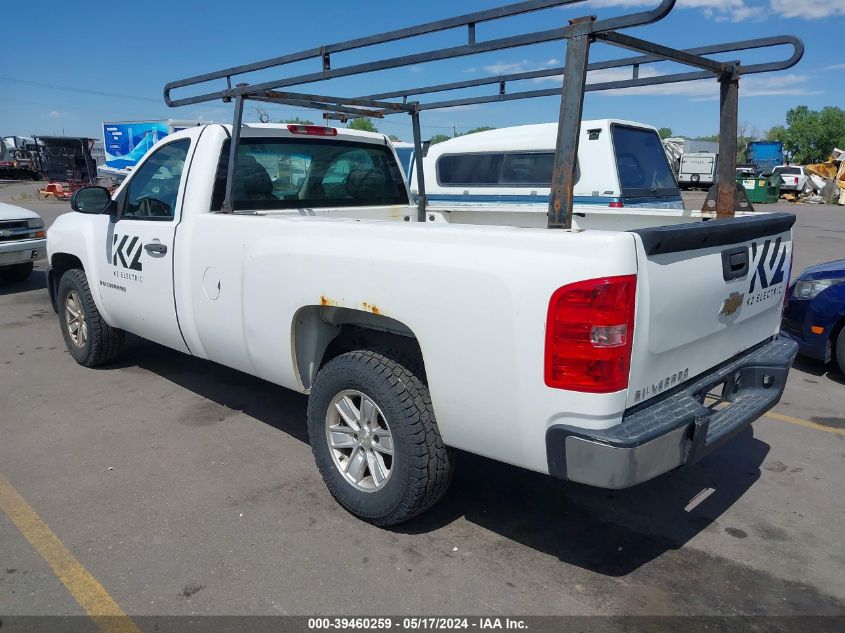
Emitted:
<point x="119" y="55"/>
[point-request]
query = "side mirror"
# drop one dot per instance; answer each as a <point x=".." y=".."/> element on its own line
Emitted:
<point x="90" y="200"/>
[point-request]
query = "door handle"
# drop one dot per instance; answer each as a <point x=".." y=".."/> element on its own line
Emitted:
<point x="156" y="248"/>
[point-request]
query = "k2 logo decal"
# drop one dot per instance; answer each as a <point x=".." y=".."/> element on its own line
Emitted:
<point x="767" y="263"/>
<point x="126" y="252"/>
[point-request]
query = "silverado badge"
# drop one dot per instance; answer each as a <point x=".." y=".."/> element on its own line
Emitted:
<point x="732" y="303"/>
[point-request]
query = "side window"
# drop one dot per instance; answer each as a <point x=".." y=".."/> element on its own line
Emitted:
<point x="469" y="169"/>
<point x="527" y="169"/>
<point x="497" y="169"/>
<point x="151" y="194"/>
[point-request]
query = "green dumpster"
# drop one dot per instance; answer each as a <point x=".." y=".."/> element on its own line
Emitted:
<point x="761" y="189"/>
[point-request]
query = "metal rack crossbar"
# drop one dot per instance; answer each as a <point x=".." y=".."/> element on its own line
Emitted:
<point x="579" y="34"/>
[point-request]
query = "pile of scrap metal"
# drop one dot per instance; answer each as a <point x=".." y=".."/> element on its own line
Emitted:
<point x="67" y="164"/>
<point x="19" y="158"/>
<point x="827" y="180"/>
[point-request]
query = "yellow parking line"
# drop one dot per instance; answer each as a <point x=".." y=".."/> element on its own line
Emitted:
<point x="806" y="423"/>
<point x="89" y="593"/>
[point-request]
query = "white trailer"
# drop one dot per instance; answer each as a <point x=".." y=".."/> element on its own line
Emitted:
<point x="698" y="169"/>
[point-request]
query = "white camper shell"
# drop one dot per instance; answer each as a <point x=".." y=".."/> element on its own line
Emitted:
<point x="620" y="164"/>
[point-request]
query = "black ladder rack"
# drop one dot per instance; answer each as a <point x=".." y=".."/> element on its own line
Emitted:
<point x="579" y="34"/>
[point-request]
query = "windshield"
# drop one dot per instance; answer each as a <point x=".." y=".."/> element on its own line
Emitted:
<point x="291" y="173"/>
<point x="643" y="167"/>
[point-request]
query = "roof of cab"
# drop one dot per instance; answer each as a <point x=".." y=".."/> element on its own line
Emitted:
<point x="539" y="136"/>
<point x="281" y="130"/>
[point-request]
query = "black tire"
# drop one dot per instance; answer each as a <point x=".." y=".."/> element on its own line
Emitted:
<point x="16" y="272"/>
<point x="102" y="342"/>
<point x="840" y="349"/>
<point x="422" y="465"/>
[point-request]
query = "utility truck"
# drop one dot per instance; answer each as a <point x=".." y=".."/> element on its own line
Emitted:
<point x="606" y="357"/>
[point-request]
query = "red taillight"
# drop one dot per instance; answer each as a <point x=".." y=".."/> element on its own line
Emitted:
<point x="312" y="130"/>
<point x="796" y="180"/>
<point x="589" y="330"/>
<point x="616" y="205"/>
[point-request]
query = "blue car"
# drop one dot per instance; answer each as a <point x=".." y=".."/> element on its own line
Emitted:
<point x="815" y="312"/>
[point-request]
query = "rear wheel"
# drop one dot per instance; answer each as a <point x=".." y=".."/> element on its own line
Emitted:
<point x="375" y="439"/>
<point x="16" y="272"/>
<point x="88" y="338"/>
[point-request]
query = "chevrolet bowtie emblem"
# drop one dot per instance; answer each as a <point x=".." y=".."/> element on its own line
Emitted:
<point x="732" y="303"/>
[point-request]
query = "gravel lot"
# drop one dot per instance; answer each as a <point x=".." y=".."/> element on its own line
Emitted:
<point x="184" y="487"/>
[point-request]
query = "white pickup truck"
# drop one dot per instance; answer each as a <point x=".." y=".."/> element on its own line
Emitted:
<point x="602" y="357"/>
<point x="22" y="242"/>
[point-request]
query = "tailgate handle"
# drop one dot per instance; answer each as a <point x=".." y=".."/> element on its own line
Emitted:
<point x="735" y="263"/>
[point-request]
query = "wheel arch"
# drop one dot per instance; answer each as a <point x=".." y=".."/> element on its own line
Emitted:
<point x="836" y="332"/>
<point x="60" y="263"/>
<point x="320" y="333"/>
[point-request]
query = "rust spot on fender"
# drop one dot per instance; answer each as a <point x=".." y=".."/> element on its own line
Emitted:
<point x="325" y="301"/>
<point x="369" y="307"/>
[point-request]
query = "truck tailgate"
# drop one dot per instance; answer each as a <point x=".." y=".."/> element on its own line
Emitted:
<point x="705" y="292"/>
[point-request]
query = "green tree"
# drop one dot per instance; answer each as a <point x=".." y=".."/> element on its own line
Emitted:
<point x="297" y="121"/>
<point x="364" y="124"/>
<point x="483" y="128"/>
<point x="811" y="135"/>
<point x="394" y="138"/>
<point x="439" y="138"/>
<point x="665" y="132"/>
<point x="776" y="133"/>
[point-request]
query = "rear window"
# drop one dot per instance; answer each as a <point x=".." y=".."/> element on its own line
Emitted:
<point x="494" y="169"/>
<point x="291" y="173"/>
<point x="643" y="167"/>
<point x="795" y="171"/>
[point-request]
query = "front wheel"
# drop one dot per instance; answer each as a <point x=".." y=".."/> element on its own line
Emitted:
<point x="88" y="338"/>
<point x="840" y="350"/>
<point x="375" y="439"/>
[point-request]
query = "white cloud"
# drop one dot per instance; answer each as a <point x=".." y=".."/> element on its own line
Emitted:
<point x="743" y="10"/>
<point x="808" y="9"/>
<point x="720" y="10"/>
<point x="708" y="89"/>
<point x="507" y="68"/>
<point x="834" y="67"/>
<point x="55" y="114"/>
